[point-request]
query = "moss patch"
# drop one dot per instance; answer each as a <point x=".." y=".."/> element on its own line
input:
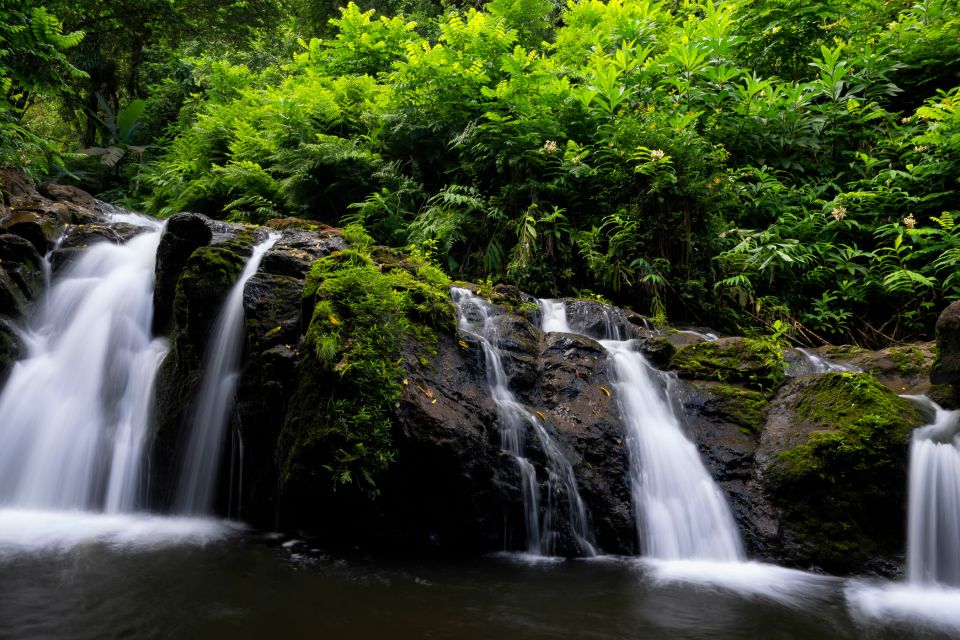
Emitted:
<point x="843" y="481"/>
<point x="754" y="363"/>
<point x="843" y="351"/>
<point x="743" y="407"/>
<point x="363" y="312"/>
<point x="909" y="360"/>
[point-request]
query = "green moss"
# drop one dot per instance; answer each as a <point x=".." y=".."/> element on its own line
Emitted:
<point x="363" y="312"/>
<point x="755" y="363"/>
<point x="843" y="351"/>
<point x="743" y="406"/>
<point x="843" y="481"/>
<point x="908" y="360"/>
<point x="210" y="272"/>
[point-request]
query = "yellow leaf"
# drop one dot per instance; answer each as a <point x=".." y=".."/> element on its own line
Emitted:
<point x="605" y="390"/>
<point x="405" y="382"/>
<point x="542" y="417"/>
<point x="333" y="319"/>
<point x="463" y="344"/>
<point x="434" y="401"/>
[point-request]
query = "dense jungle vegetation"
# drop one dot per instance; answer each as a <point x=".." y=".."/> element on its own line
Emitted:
<point x="751" y="165"/>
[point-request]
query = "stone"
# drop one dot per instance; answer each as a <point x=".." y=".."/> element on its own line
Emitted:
<point x="946" y="368"/>
<point x="184" y="233"/>
<point x="752" y="363"/>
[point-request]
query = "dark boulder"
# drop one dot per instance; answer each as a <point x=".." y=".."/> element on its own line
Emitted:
<point x="21" y="281"/>
<point x="602" y="321"/>
<point x="946" y="368"/>
<point x="831" y="470"/>
<point x="184" y="233"/>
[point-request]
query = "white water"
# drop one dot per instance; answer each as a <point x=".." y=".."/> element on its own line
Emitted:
<point x="703" y="335"/>
<point x="819" y="364"/>
<point x="26" y="531"/>
<point x="198" y="482"/>
<point x="681" y="512"/>
<point x="931" y="595"/>
<point x="74" y="412"/>
<point x="474" y="317"/>
<point x="756" y="579"/>
<point x="933" y="522"/>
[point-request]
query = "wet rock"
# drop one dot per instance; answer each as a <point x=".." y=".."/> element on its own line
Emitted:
<point x="69" y="194"/>
<point x="20" y="260"/>
<point x="21" y="280"/>
<point x="580" y="411"/>
<point x="519" y="343"/>
<point x="752" y="363"/>
<point x="201" y="288"/>
<point x="601" y="321"/>
<point x="725" y="421"/>
<point x="184" y="233"/>
<point x="657" y="349"/>
<point x="946" y="369"/>
<point x="41" y="232"/>
<point x="76" y="238"/>
<point x="903" y="369"/>
<point x="831" y="471"/>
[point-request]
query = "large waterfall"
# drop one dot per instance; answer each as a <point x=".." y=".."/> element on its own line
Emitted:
<point x="74" y="413"/>
<point x="474" y="317"/>
<point x="198" y="482"/>
<point x="681" y="512"/>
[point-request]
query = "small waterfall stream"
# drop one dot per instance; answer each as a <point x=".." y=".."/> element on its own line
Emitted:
<point x="933" y="522"/>
<point x="681" y="512"/>
<point x="74" y="413"/>
<point x="474" y="317"/>
<point x="196" y="492"/>
<point x="818" y="364"/>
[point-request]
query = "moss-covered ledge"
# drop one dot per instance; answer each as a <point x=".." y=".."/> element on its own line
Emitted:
<point x="839" y="469"/>
<point x="753" y="363"/>
<point x="365" y="303"/>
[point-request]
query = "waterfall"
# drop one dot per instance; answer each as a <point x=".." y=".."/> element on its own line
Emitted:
<point x="933" y="522"/>
<point x="198" y="482"/>
<point x="474" y="317"/>
<point x="819" y="364"/>
<point x="74" y="412"/>
<point x="931" y="593"/>
<point x="681" y="512"/>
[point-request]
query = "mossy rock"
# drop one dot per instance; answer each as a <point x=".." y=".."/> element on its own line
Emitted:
<point x="946" y="366"/>
<point x="743" y="407"/>
<point x="840" y="476"/>
<point x="364" y="302"/>
<point x="756" y="364"/>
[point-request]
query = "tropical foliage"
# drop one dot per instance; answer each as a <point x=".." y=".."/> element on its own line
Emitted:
<point x="736" y="163"/>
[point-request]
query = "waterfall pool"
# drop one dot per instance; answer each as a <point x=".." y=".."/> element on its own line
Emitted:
<point x="135" y="576"/>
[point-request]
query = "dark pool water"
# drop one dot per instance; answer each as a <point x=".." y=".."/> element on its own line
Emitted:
<point x="154" y="583"/>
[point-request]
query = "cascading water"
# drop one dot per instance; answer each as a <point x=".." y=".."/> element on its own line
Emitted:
<point x="198" y="483"/>
<point x="74" y="413"/>
<point x="474" y="317"/>
<point x="933" y="522"/>
<point x="931" y="593"/>
<point x="681" y="512"/>
<point x="819" y="364"/>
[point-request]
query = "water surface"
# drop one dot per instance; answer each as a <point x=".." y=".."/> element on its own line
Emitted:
<point x="138" y="576"/>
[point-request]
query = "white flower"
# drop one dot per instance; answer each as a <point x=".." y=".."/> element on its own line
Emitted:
<point x="910" y="222"/>
<point x="657" y="154"/>
<point x="839" y="213"/>
<point x="550" y="147"/>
